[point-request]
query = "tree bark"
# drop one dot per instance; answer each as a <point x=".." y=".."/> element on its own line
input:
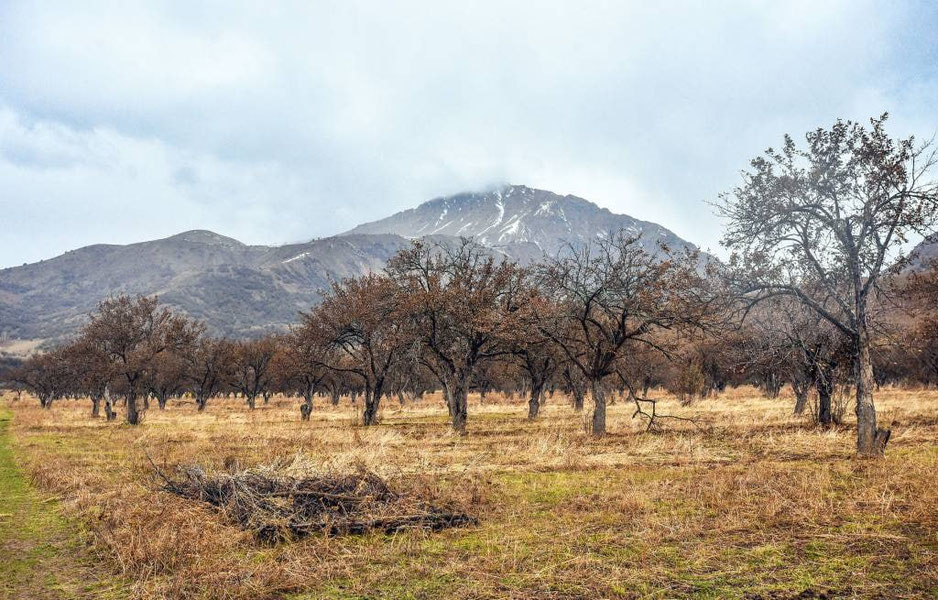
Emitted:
<point x="372" y="401"/>
<point x="133" y="416"/>
<point x="599" y="408"/>
<point x="447" y="397"/>
<point x="458" y="404"/>
<point x="871" y="441"/>
<point x="534" y="402"/>
<point x="801" y="395"/>
<point x="825" y="391"/>
<point x="306" y="409"/>
<point x="576" y="390"/>
<point x="95" y="406"/>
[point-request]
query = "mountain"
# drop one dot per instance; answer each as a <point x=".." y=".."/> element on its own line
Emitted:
<point x="235" y="288"/>
<point x="240" y="290"/>
<point x="522" y="221"/>
<point x="925" y="254"/>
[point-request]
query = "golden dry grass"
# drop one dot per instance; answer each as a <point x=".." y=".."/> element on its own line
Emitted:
<point x="756" y="504"/>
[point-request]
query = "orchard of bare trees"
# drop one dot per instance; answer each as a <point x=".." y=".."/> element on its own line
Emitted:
<point x="812" y="297"/>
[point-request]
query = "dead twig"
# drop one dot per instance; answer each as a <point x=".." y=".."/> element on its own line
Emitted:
<point x="277" y="507"/>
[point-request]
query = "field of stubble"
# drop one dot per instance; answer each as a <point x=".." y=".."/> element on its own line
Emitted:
<point x="753" y="503"/>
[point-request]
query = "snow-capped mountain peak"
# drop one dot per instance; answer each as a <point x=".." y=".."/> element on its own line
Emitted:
<point x="515" y="215"/>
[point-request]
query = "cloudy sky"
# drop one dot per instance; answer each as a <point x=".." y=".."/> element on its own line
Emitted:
<point x="126" y="121"/>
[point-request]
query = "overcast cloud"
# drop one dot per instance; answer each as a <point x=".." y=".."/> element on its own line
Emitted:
<point x="126" y="121"/>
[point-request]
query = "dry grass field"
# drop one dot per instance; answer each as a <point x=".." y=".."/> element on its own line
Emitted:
<point x="756" y="503"/>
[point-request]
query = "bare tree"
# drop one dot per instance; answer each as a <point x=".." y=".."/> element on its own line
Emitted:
<point x="301" y="366"/>
<point x="614" y="294"/>
<point x="363" y="320"/>
<point x="461" y="301"/>
<point x="167" y="376"/>
<point x="131" y="333"/>
<point x="208" y="366"/>
<point x="536" y="354"/>
<point x="250" y="367"/>
<point x="47" y="375"/>
<point x="90" y="371"/>
<point x="821" y="224"/>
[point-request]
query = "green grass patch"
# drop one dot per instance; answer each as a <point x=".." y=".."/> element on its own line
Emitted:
<point x="40" y="551"/>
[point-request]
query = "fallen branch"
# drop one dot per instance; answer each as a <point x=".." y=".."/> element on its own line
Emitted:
<point x="653" y="416"/>
<point x="277" y="507"/>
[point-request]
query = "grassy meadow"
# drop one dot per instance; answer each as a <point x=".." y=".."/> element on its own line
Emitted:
<point x="750" y="502"/>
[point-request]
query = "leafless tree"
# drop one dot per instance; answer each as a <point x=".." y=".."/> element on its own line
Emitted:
<point x="47" y="375"/>
<point x="363" y="321"/>
<point x="250" y="367"/>
<point x="614" y="294"/>
<point x="461" y="301"/>
<point x="302" y="365"/>
<point x="208" y="366"/>
<point x="822" y="223"/>
<point x="131" y="333"/>
<point x="90" y="372"/>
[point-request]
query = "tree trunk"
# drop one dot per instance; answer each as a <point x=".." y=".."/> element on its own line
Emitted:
<point x="447" y="397"/>
<point x="95" y="406"/>
<point x="534" y="402"/>
<point x="109" y="413"/>
<point x="825" y="391"/>
<point x="458" y="406"/>
<point x="133" y="416"/>
<point x="871" y="441"/>
<point x="801" y="395"/>
<point x="252" y="401"/>
<point x="576" y="389"/>
<point x="201" y="401"/>
<point x="372" y="401"/>
<point x="577" y="397"/>
<point x="599" y="408"/>
<point x="306" y="409"/>
<point x="335" y="396"/>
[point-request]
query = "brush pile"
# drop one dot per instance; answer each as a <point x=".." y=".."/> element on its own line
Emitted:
<point x="278" y="507"/>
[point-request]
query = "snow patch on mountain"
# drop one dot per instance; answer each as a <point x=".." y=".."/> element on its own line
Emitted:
<point x="517" y="214"/>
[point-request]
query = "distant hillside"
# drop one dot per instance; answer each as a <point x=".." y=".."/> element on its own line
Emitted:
<point x="236" y="289"/>
<point x="241" y="290"/>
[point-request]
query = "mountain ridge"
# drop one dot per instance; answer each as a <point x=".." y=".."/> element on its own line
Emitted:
<point x="241" y="290"/>
<point x="517" y="214"/>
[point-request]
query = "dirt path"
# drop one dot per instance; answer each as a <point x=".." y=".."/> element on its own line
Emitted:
<point x="41" y="555"/>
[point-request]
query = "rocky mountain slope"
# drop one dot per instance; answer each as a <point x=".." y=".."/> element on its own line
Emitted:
<point x="519" y="219"/>
<point x="237" y="289"/>
<point x="925" y="254"/>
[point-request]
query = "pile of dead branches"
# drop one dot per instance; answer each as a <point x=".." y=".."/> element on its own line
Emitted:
<point x="277" y="507"/>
